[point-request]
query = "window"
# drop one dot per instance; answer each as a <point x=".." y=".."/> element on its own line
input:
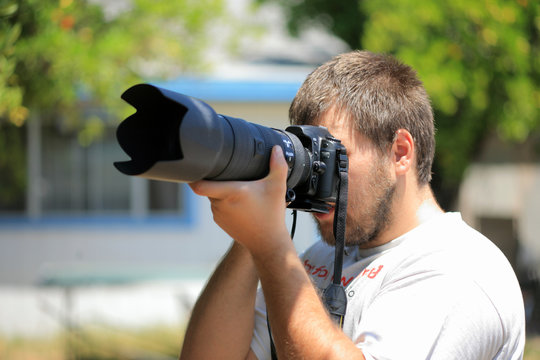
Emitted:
<point x="164" y="196"/>
<point x="77" y="179"/>
<point x="73" y="180"/>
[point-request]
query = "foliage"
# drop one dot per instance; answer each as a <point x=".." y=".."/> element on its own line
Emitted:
<point x="479" y="61"/>
<point x="55" y="53"/>
<point x="343" y="18"/>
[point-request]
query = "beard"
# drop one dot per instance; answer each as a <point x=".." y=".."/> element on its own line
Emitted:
<point x="369" y="212"/>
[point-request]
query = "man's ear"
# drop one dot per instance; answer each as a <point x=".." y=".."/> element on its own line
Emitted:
<point x="403" y="152"/>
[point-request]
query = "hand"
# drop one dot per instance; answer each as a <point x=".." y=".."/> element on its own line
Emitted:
<point x="251" y="212"/>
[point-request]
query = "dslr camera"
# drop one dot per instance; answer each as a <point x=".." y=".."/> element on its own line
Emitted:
<point x="174" y="137"/>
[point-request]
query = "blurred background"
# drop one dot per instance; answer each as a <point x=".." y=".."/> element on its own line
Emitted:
<point x="98" y="265"/>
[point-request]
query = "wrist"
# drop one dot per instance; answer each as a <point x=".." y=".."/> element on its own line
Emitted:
<point x="272" y="247"/>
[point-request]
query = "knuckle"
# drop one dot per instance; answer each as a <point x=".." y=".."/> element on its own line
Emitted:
<point x="243" y="190"/>
<point x="196" y="187"/>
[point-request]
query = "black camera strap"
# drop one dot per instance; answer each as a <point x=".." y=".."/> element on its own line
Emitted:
<point x="334" y="297"/>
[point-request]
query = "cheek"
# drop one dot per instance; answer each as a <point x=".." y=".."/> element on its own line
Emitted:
<point x="357" y="191"/>
<point x="365" y="181"/>
<point x="358" y="174"/>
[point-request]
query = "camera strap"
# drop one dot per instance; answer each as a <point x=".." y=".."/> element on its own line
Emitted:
<point x="334" y="297"/>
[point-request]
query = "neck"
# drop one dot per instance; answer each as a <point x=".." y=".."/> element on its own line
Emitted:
<point x="409" y="211"/>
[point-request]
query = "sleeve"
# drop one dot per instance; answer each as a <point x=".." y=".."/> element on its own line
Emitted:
<point x="436" y="318"/>
<point x="260" y="343"/>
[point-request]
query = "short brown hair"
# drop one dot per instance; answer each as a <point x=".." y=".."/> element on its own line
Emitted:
<point x="379" y="94"/>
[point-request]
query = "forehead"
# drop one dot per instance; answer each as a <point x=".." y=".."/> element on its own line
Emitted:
<point x="342" y="127"/>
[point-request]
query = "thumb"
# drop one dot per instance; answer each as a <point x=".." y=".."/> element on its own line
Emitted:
<point x="278" y="165"/>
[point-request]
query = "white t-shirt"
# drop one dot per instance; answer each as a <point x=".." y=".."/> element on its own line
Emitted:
<point x="440" y="291"/>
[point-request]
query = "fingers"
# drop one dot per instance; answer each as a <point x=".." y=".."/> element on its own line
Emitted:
<point x="278" y="165"/>
<point x="221" y="189"/>
<point x="214" y="189"/>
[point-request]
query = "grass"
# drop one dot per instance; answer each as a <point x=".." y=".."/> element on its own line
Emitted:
<point x="101" y="342"/>
<point x="532" y="349"/>
<point x="97" y="342"/>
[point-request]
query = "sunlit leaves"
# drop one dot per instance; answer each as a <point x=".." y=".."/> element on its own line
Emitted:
<point x="478" y="61"/>
<point x="57" y="54"/>
<point x="463" y="49"/>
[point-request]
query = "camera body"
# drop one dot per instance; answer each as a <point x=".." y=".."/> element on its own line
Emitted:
<point x="174" y="137"/>
<point x="320" y="186"/>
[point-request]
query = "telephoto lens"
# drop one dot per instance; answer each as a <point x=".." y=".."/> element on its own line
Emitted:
<point x="174" y="137"/>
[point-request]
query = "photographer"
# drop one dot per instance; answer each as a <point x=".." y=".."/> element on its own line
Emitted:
<point x="420" y="283"/>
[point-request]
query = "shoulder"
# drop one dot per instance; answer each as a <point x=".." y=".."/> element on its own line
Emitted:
<point x="448" y="244"/>
<point x="450" y="248"/>
<point x="466" y="266"/>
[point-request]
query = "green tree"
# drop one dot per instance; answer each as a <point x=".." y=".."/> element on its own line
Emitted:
<point x="53" y="52"/>
<point x="479" y="61"/>
<point x="60" y="57"/>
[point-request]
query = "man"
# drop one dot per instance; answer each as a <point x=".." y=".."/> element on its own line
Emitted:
<point x="420" y="283"/>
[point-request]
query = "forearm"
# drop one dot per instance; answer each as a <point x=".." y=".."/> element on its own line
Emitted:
<point x="252" y="214"/>
<point x="301" y="327"/>
<point x="222" y="319"/>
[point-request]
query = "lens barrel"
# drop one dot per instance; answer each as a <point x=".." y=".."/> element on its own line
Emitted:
<point x="174" y="137"/>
